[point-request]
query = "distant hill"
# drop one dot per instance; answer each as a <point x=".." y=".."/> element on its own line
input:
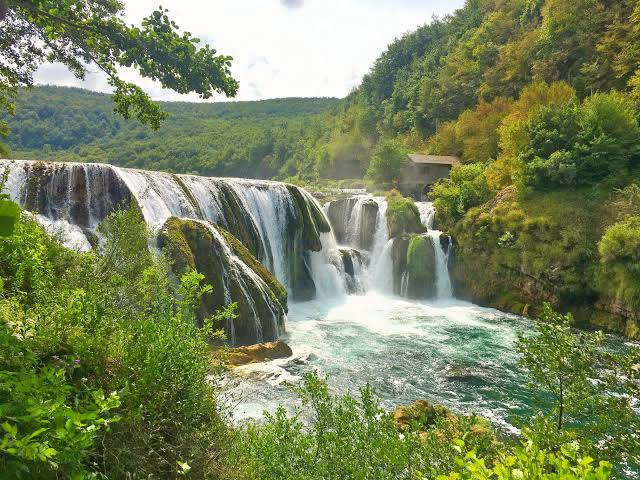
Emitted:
<point x="252" y="139"/>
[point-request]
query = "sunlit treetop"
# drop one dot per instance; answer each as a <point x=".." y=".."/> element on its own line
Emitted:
<point x="85" y="33"/>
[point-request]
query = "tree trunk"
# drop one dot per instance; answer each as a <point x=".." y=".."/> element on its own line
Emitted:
<point x="561" y="408"/>
<point x="3" y="9"/>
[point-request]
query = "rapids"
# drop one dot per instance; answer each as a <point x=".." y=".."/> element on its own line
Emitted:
<point x="443" y="350"/>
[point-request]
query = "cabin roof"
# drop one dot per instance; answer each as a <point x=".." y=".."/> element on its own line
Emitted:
<point x="434" y="159"/>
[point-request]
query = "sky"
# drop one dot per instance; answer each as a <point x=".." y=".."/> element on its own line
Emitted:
<point x="281" y="48"/>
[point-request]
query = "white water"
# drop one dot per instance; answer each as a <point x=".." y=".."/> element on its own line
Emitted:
<point x="444" y="351"/>
<point x="443" y="280"/>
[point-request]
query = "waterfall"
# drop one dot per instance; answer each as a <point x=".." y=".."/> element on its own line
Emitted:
<point x="280" y="224"/>
<point x="443" y="280"/>
<point x="313" y="252"/>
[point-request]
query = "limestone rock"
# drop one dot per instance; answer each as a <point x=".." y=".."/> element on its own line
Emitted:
<point x="234" y="273"/>
<point x="403" y="217"/>
<point x="421" y="268"/>
<point x="261" y="352"/>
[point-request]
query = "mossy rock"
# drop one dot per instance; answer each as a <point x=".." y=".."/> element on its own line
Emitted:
<point x="403" y="217"/>
<point x="424" y="416"/>
<point x="421" y="268"/>
<point x="238" y="221"/>
<point x="304" y="228"/>
<point x="267" y="277"/>
<point x="399" y="261"/>
<point x="420" y="412"/>
<point x="310" y="219"/>
<point x="368" y="223"/>
<point x="193" y="245"/>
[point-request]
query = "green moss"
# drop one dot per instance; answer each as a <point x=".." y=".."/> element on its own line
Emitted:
<point x="187" y="193"/>
<point x="191" y="245"/>
<point x="310" y="220"/>
<point x="421" y="268"/>
<point x="403" y="217"/>
<point x="239" y="222"/>
<point x="174" y="242"/>
<point x="280" y="294"/>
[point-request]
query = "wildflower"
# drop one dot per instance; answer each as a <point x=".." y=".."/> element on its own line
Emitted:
<point x="77" y="361"/>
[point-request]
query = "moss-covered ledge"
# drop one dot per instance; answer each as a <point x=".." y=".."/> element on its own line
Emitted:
<point x="212" y="251"/>
<point x="267" y="277"/>
<point x="403" y="217"/>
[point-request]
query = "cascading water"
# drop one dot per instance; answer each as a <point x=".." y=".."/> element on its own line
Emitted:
<point x="443" y="280"/>
<point x="278" y="223"/>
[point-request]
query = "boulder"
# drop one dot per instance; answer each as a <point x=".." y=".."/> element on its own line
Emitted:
<point x="403" y="217"/>
<point x="368" y="223"/>
<point x="476" y="430"/>
<point x="399" y="261"/>
<point x="421" y="268"/>
<point x="352" y="261"/>
<point x="235" y="274"/>
<point x="339" y="213"/>
<point x="421" y="412"/>
<point x="261" y="352"/>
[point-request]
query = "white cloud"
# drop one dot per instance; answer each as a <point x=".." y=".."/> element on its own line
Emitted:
<point x="292" y="4"/>
<point x="323" y="48"/>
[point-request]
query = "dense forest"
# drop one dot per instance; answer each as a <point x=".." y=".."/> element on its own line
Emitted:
<point x="250" y="139"/>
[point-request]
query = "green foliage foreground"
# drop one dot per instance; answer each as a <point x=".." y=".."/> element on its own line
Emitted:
<point x="104" y="374"/>
<point x="102" y="370"/>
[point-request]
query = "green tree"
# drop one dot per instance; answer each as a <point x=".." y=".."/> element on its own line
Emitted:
<point x="585" y="391"/>
<point x="619" y="251"/>
<point x="79" y="33"/>
<point x="466" y="187"/>
<point x="388" y="162"/>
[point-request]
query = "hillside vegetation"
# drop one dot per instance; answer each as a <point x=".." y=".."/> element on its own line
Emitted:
<point x="247" y="139"/>
<point x="540" y="101"/>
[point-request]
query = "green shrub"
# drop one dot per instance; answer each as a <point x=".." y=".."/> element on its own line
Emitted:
<point x="530" y="462"/>
<point x="403" y="217"/>
<point x="619" y="251"/>
<point x="49" y="421"/>
<point x="75" y="325"/>
<point x="466" y="187"/>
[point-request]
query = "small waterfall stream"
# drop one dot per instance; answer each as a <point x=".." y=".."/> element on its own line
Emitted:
<point x="443" y="280"/>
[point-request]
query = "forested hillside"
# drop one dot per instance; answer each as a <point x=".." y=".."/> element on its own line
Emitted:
<point x="253" y="139"/>
<point x="540" y="100"/>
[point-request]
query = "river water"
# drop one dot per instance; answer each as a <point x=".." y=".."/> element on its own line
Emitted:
<point x="447" y="352"/>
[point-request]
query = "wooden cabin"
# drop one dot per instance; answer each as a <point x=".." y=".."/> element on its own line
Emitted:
<point x="422" y="171"/>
